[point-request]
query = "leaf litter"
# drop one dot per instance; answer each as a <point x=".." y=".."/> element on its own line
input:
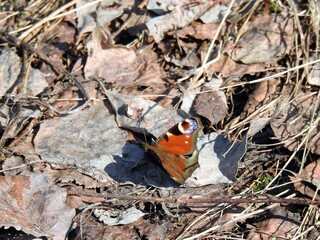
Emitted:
<point x="85" y="89"/>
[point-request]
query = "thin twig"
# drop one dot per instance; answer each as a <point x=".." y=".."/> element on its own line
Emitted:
<point x="201" y="199"/>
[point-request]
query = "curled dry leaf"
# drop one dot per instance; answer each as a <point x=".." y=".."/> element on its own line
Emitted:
<point x="31" y="204"/>
<point x="14" y="123"/>
<point x="266" y="38"/>
<point x="121" y="65"/>
<point x="293" y="122"/>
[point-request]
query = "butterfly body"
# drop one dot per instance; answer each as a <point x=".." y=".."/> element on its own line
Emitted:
<point x="176" y="150"/>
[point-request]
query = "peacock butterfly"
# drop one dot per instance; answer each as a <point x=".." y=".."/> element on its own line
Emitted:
<point x="177" y="151"/>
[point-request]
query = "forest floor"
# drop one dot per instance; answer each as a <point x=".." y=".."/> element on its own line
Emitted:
<point x="87" y="87"/>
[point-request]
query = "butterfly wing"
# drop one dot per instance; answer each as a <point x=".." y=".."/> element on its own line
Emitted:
<point x="176" y="150"/>
<point x="181" y="138"/>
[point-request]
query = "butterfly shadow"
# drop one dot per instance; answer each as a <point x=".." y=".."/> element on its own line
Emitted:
<point x="229" y="155"/>
<point x="132" y="166"/>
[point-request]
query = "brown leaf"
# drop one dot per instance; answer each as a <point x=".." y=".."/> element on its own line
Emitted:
<point x="280" y="224"/>
<point x="266" y="38"/>
<point x="292" y="123"/>
<point x="229" y="68"/>
<point x="30" y="203"/>
<point x="211" y="105"/>
<point x="94" y="230"/>
<point x="199" y="30"/>
<point x="310" y="174"/>
<point x="264" y="93"/>
<point x="121" y="65"/>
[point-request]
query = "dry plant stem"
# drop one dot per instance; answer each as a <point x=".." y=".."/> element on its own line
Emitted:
<point x="239" y="217"/>
<point x="315" y="111"/>
<point x="23" y="165"/>
<point x="253" y="115"/>
<point x="200" y="199"/>
<point x="129" y="19"/>
<point x="304" y="233"/>
<point x="197" y="222"/>
<point x="272" y="76"/>
<point x="44" y="20"/>
<point x="291" y="157"/>
<point x="296" y="18"/>
<point x="9" y="16"/>
<point x="236" y="219"/>
<point x="24" y="133"/>
<point x="217" y="33"/>
<point x="195" y="81"/>
<point x="250" y="13"/>
<point x="74" y="10"/>
<point x="306" y="218"/>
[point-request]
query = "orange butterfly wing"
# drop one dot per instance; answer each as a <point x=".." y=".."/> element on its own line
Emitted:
<point x="177" y="150"/>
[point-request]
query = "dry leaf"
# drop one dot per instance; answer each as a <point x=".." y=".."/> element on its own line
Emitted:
<point x="118" y="217"/>
<point x="311" y="175"/>
<point x="121" y="65"/>
<point x="198" y="30"/>
<point x="30" y="203"/>
<point x="218" y="160"/>
<point x="280" y="224"/>
<point x="99" y="14"/>
<point x="211" y="102"/>
<point x="14" y="124"/>
<point x="267" y="37"/>
<point x="229" y="68"/>
<point x="208" y="101"/>
<point x="179" y="17"/>
<point x="10" y="68"/>
<point x="294" y="119"/>
<point x="80" y="140"/>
